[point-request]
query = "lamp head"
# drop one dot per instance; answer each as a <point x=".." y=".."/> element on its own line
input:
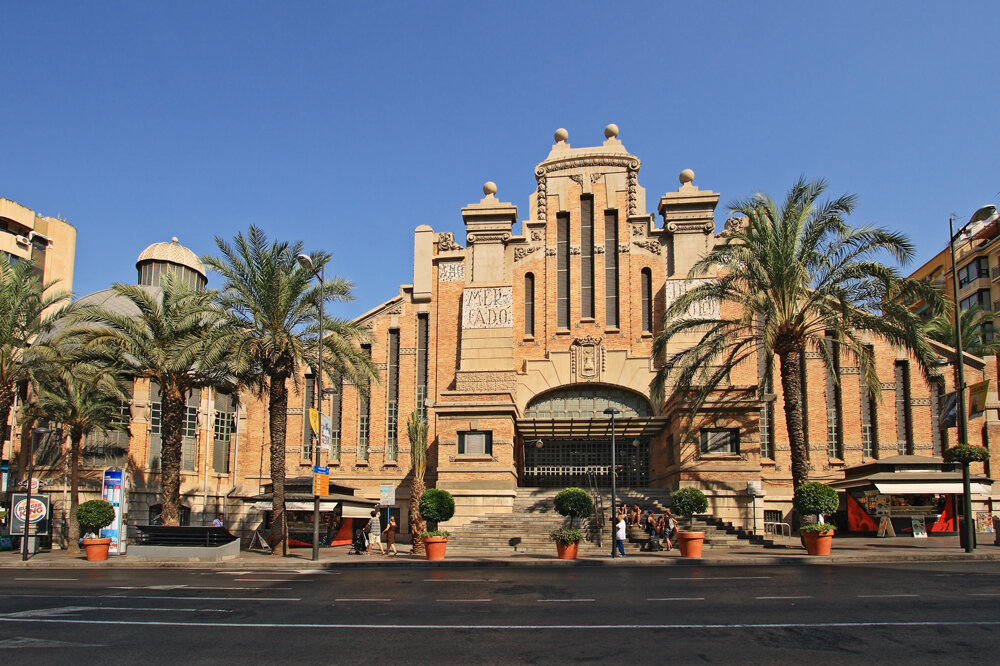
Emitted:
<point x="305" y="261"/>
<point x="539" y="443"/>
<point x="611" y="411"/>
<point x="983" y="213"/>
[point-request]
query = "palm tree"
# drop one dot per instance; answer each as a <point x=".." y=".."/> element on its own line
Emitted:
<point x="270" y="301"/>
<point x="174" y="336"/>
<point x="416" y="428"/>
<point x="83" y="398"/>
<point x="794" y="279"/>
<point x="977" y="339"/>
<point x="23" y="300"/>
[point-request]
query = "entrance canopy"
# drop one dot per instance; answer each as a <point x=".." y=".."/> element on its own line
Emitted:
<point x="591" y="428"/>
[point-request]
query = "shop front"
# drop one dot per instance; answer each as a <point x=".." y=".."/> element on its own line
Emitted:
<point x="906" y="496"/>
<point x="340" y="513"/>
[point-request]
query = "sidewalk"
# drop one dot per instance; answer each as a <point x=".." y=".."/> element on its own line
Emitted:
<point x="846" y="550"/>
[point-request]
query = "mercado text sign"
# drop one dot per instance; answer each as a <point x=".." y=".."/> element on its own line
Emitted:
<point x="487" y="307"/>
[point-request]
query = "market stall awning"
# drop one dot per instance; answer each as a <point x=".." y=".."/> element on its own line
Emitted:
<point x="267" y="505"/>
<point x="924" y="482"/>
<point x="931" y="488"/>
<point x="626" y="426"/>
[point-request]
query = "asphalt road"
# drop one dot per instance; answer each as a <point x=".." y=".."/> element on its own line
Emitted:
<point x="922" y="613"/>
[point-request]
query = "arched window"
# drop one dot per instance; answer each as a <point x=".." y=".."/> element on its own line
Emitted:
<point x="529" y="304"/>
<point x="589" y="402"/>
<point x="647" y="300"/>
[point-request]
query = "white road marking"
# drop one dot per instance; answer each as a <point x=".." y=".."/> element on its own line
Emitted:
<point x="48" y="612"/>
<point x="265" y="580"/>
<point x="561" y="600"/>
<point x="25" y="642"/>
<point x="197" y="587"/>
<point x="677" y="599"/>
<point x="131" y="596"/>
<point x="984" y="594"/>
<point x="699" y="580"/>
<point x="362" y="599"/>
<point x="465" y="627"/>
<point x="789" y="597"/>
<point x="301" y="572"/>
<point x="165" y="610"/>
<point x="463" y="601"/>
<point x="149" y="587"/>
<point x="33" y="578"/>
<point x="885" y="596"/>
<point x="459" y="580"/>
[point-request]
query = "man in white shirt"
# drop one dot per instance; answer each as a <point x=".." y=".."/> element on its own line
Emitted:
<point x="619" y="537"/>
<point x="218" y="522"/>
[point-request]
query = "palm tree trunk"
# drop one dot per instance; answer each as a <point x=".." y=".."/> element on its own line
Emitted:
<point x="791" y="386"/>
<point x="172" y="398"/>
<point x="417" y="525"/>
<point x="76" y="438"/>
<point x="6" y="404"/>
<point x="278" y="419"/>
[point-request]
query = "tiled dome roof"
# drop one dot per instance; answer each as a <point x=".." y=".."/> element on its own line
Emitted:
<point x="173" y="252"/>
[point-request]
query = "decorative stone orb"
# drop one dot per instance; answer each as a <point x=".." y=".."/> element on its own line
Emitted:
<point x="489" y="188"/>
<point x="611" y="131"/>
<point x="687" y="176"/>
<point x="561" y="135"/>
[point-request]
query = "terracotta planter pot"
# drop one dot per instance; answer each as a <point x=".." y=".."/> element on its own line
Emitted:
<point x="690" y="543"/>
<point x="567" y="551"/>
<point x="818" y="543"/>
<point x="435" y="547"/>
<point x="97" y="549"/>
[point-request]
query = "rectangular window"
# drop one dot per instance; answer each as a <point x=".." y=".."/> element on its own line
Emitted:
<point x="189" y="432"/>
<point x="904" y="422"/>
<point x="529" y="304"/>
<point x="108" y="448"/>
<point x="646" y="277"/>
<point x="562" y="270"/>
<point x="308" y="402"/>
<point x="803" y="401"/>
<point x="720" y="441"/>
<point x="611" y="268"/>
<point x="335" y="409"/>
<point x="937" y="391"/>
<point x="364" y="414"/>
<point x="980" y="298"/>
<point x="223" y="427"/>
<point x="392" y="406"/>
<point x="155" y="426"/>
<point x="975" y="269"/>
<point x="587" y="257"/>
<point x="834" y="413"/>
<point x="475" y="443"/>
<point x="767" y="406"/>
<point x="422" y="365"/>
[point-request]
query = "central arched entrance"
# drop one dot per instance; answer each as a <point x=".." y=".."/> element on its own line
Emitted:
<point x="566" y="437"/>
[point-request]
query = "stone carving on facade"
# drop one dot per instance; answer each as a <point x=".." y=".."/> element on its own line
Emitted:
<point x="574" y="249"/>
<point x="451" y="271"/>
<point x="598" y="249"/>
<point x="736" y="223"/>
<point x="637" y="230"/>
<point x="536" y="235"/>
<point x="587" y="359"/>
<point x="446" y="242"/>
<point x="813" y="355"/>
<point x="487" y="307"/>
<point x="550" y="251"/>
<point x="293" y="410"/>
<point x="522" y="252"/>
<point x="888" y="386"/>
<point x="486" y="382"/>
<point x="623" y="248"/>
<point x="706" y="309"/>
<point x="850" y="370"/>
<point x="594" y="177"/>
<point x="489" y="237"/>
<point x="541" y="198"/>
<point x="650" y="246"/>
<point x="921" y="402"/>
<point x="577" y="178"/>
<point x="394" y="307"/>
<point x="633" y="187"/>
<point x="690" y="227"/>
<point x="629" y="162"/>
<point x="407" y="351"/>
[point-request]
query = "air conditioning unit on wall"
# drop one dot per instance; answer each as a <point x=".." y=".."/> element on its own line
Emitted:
<point x="22" y="240"/>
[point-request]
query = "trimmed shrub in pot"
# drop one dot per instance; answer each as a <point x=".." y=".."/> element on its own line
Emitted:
<point x="92" y="517"/>
<point x="686" y="502"/>
<point x="574" y="503"/>
<point x="819" y="499"/>
<point x="436" y="506"/>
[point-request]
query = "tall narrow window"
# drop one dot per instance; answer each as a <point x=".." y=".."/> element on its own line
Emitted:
<point x="335" y="409"/>
<point x="223" y="427"/>
<point x="646" y="277"/>
<point x="869" y="421"/>
<point x="392" y="406"/>
<point x="364" y="414"/>
<point x="587" y="257"/>
<point x="308" y="402"/>
<point x="803" y="399"/>
<point x="834" y="416"/>
<point x="422" y="365"/>
<point x="936" y="439"/>
<point x="562" y="270"/>
<point x="189" y="432"/>
<point x="766" y="407"/>
<point x="529" y="304"/>
<point x="904" y="422"/>
<point x="155" y="426"/>
<point x="611" y="268"/>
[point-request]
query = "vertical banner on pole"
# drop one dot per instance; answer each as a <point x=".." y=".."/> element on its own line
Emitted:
<point x="114" y="481"/>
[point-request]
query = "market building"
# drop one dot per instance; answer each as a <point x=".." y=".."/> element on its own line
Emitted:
<point x="514" y="335"/>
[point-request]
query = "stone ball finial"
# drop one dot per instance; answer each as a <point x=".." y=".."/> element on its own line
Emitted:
<point x="611" y="131"/>
<point x="174" y="240"/>
<point x="489" y="188"/>
<point x="687" y="176"/>
<point x="561" y="135"/>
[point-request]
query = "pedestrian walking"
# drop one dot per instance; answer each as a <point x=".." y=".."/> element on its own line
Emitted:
<point x="374" y="530"/>
<point x="390" y="536"/>
<point x="669" y="529"/>
<point x="219" y="522"/>
<point x="619" y="537"/>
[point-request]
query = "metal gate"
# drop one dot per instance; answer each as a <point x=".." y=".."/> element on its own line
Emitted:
<point x="560" y="463"/>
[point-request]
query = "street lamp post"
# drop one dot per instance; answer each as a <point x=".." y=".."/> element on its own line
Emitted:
<point x="984" y="213"/>
<point x="614" y="504"/>
<point x="306" y="262"/>
<point x="36" y="434"/>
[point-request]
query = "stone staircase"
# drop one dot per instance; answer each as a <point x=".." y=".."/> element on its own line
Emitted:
<point x="526" y="529"/>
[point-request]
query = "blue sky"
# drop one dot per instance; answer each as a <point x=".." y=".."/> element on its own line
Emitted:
<point x="348" y="124"/>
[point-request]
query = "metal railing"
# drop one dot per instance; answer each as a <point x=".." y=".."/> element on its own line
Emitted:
<point x="595" y="494"/>
<point x="777" y="528"/>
